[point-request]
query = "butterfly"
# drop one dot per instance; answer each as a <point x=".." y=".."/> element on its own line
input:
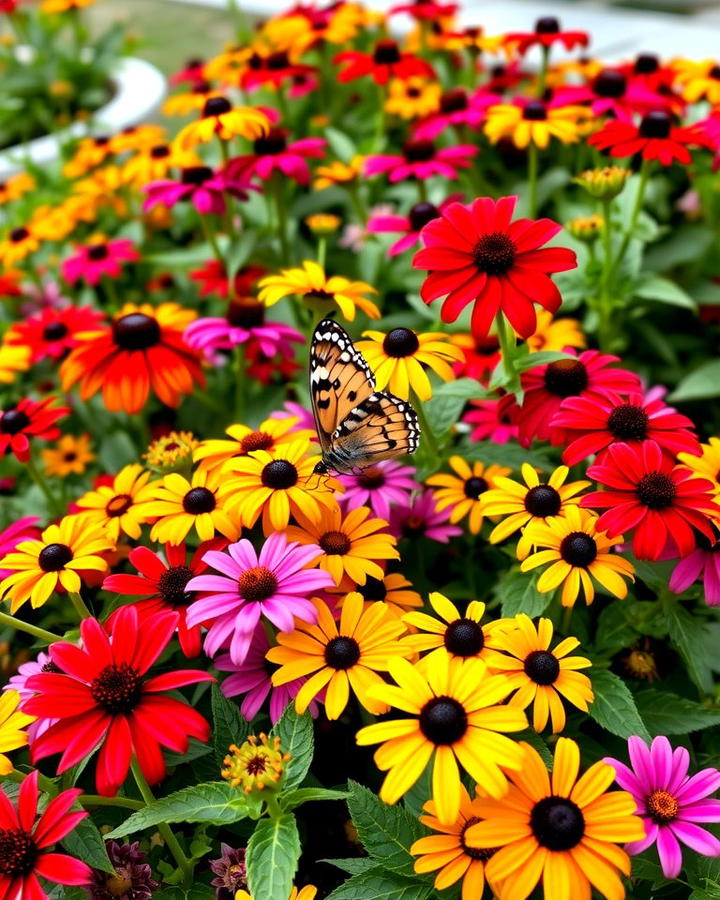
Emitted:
<point x="357" y="426"/>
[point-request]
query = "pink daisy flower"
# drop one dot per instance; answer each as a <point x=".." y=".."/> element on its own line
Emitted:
<point x="101" y="257"/>
<point x="203" y="187"/>
<point x="410" y="225"/>
<point x="24" y="529"/>
<point x="253" y="677"/>
<point x="275" y="583"/>
<point x="18" y="682"/>
<point x="702" y="564"/>
<point x="379" y="487"/>
<point x="611" y="94"/>
<point x="457" y="108"/>
<point x="421" y="159"/>
<point x="292" y="410"/>
<point x="670" y="801"/>
<point x="419" y="518"/>
<point x="493" y="420"/>
<point x="272" y="153"/>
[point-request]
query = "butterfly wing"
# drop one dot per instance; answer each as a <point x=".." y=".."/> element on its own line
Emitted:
<point x="340" y="379"/>
<point x="380" y="427"/>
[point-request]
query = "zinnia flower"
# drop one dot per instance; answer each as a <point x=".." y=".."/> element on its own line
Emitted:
<point x="476" y="254"/>
<point x="421" y="159"/>
<point x="378" y="487"/>
<point x="102" y="698"/>
<point x="670" y="801"/>
<point x="317" y="290"/>
<point x="28" y="419"/>
<point x="99" y="258"/>
<point x="462" y="493"/>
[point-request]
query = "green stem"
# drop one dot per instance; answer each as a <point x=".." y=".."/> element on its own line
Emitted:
<point x="210" y="237"/>
<point x="644" y="175"/>
<point x="425" y="429"/>
<point x="46" y="637"/>
<point x="532" y="179"/>
<point x="566" y="617"/>
<point x="54" y="504"/>
<point x="79" y="605"/>
<point x="357" y="203"/>
<point x="380" y="128"/>
<point x="97" y="800"/>
<point x="422" y="191"/>
<point x="281" y="220"/>
<point x="240" y="381"/>
<point x="184" y="864"/>
<point x="507" y="341"/>
<point x="272" y="806"/>
<point x="605" y="308"/>
<point x="322" y="251"/>
<point x="542" y="78"/>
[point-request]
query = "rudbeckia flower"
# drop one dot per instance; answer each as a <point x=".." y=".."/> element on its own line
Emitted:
<point x="336" y="656"/>
<point x="385" y="62"/>
<point x="154" y="161"/>
<point x="476" y="254"/>
<point x="17" y="244"/>
<point x="205" y="188"/>
<point x="421" y="159"/>
<point x="412" y="98"/>
<point x="698" y="79"/>
<point x="547" y="32"/>
<point x="555" y="334"/>
<point x="97" y="259"/>
<point x="12" y="361"/>
<point x="533" y="122"/>
<point x="143" y="348"/>
<point x="394" y="590"/>
<point x="219" y="119"/>
<point x="560" y="831"/>
<point x="51" y="333"/>
<point x="13" y="725"/>
<point x="15" y="186"/>
<point x="179" y="505"/>
<point x="655" y="138"/>
<point x="20" y="530"/>
<point x="272" y="153"/>
<point x="463" y="492"/>
<point x="707" y="463"/>
<point x="29" y="419"/>
<point x="118" y="506"/>
<point x="421" y="518"/>
<point x="339" y="173"/>
<point x="275" y="68"/>
<point x="452" y="715"/>
<point x="314" y="287"/>
<point x="538" y="675"/>
<point x="269" y="435"/>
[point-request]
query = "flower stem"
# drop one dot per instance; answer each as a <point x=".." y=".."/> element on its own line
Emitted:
<point x="605" y="307"/>
<point x="322" y="251"/>
<point x="210" y="237"/>
<point x="532" y="179"/>
<point x="272" y="807"/>
<point x="507" y="341"/>
<point x="97" y="800"/>
<point x="46" y="637"/>
<point x="425" y="429"/>
<point x="637" y="207"/>
<point x="36" y="475"/>
<point x="184" y="864"/>
<point x="79" y="605"/>
<point x="281" y="220"/>
<point x="240" y="381"/>
<point x="542" y="77"/>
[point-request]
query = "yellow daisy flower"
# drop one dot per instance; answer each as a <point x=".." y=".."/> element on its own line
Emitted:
<point x="15" y="186"/>
<point x="464" y="490"/>
<point x="120" y="507"/>
<point x="555" y="334"/>
<point x="534" y="123"/>
<point x="151" y="163"/>
<point x="533" y="501"/>
<point x="412" y="98"/>
<point x="18" y="243"/>
<point x="707" y="465"/>
<point x="60" y="6"/>
<point x="577" y="554"/>
<point x="58" y="557"/>
<point x="397" y="359"/>
<point x="12" y="728"/>
<point x="339" y="656"/>
<point x="219" y="119"/>
<point x="394" y="590"/>
<point x="318" y="291"/>
<point x="268" y="436"/>
<point x="90" y="152"/>
<point x="180" y="505"/>
<point x="13" y="360"/>
<point x="338" y="172"/>
<point x="70" y="456"/>
<point x="539" y="675"/>
<point x="454" y="716"/>
<point x="699" y="79"/>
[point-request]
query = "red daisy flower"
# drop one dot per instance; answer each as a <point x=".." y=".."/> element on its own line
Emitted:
<point x="10" y="284"/>
<point x="479" y="356"/>
<point x="421" y="159"/>
<point x="28" y="419"/>
<point x="25" y="840"/>
<point x="385" y="62"/>
<point x="547" y="32"/>
<point x="662" y="501"/>
<point x="213" y="279"/>
<point x="425" y="10"/>
<point x="611" y="94"/>
<point x="591" y="374"/>
<point x="592" y="423"/>
<point x="477" y="254"/>
<point x="272" y="153"/>
<point x="274" y="69"/>
<point x="51" y="332"/>
<point x="493" y="420"/>
<point x="164" y="586"/>
<point x="655" y="138"/>
<point x="102" y="698"/>
<point x="192" y="72"/>
<point x="648" y="70"/>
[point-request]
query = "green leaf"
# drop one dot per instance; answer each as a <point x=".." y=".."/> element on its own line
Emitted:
<point x="116" y="450"/>
<point x="647" y="869"/>
<point x="614" y="632"/>
<point x="666" y="713"/>
<point x="380" y="885"/>
<point x="685" y="245"/>
<point x="662" y="290"/>
<point x="541" y="358"/>
<point x="614" y="707"/>
<point x="239" y="253"/>
<point x="175" y="892"/>
<point x="195" y="750"/>
<point x="340" y="144"/>
<point x="230" y="726"/>
<point x="296" y="738"/>
<point x="537" y="742"/>
<point x="700" y="384"/>
<point x="215" y="802"/>
<point x="272" y="857"/>
<point x="307" y="795"/>
<point x="86" y="843"/>
<point x="386" y="832"/>
<point x="353" y="865"/>
<point x="517" y="592"/>
<point x="688" y="633"/>
<point x="512" y="455"/>
<point x="449" y="400"/>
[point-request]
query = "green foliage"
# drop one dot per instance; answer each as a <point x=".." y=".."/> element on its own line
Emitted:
<point x="296" y="738"/>
<point x="666" y="713"/>
<point x="229" y="726"/>
<point x="688" y="633"/>
<point x="272" y="857"/>
<point x="614" y="706"/>
<point x="381" y="886"/>
<point x="517" y="592"/>
<point x="448" y="401"/>
<point x="86" y="843"/>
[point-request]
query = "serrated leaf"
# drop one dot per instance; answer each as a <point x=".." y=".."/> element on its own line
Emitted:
<point x="537" y="742"/>
<point x="216" y="803"/>
<point x="229" y="725"/>
<point x="614" y="706"/>
<point x="386" y="832"/>
<point x="296" y="738"/>
<point x="86" y="843"/>
<point x="272" y="857"/>
<point x="381" y="886"/>
<point x="448" y="402"/>
<point x="666" y="713"/>
<point x="688" y="634"/>
<point x="509" y="454"/>
<point x="308" y="795"/>
<point x="517" y="592"/>
<point x="353" y="865"/>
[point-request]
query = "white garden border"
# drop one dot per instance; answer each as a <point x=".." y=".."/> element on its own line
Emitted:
<point x="139" y="90"/>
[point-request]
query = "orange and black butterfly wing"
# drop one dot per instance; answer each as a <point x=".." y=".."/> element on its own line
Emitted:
<point x="381" y="427"/>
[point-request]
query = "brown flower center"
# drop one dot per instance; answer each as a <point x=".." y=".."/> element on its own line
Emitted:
<point x="578" y="549"/>
<point x="18" y="853"/>
<point x="13" y="421"/>
<point x="494" y="253"/>
<point x="656" y="491"/>
<point x="566" y="377"/>
<point x="117" y="689"/>
<point x="256" y="440"/>
<point x="342" y="652"/>
<point x="335" y="543"/>
<point x="473" y="852"/>
<point x="119" y="505"/>
<point x="662" y="807"/>
<point x="172" y="584"/>
<point x="199" y="500"/>
<point x="136" y="331"/>
<point x="279" y="475"/>
<point x="54" y="557"/>
<point x="257" y="584"/>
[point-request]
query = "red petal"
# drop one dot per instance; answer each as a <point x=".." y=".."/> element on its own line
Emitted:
<point x="63" y="869"/>
<point x="171" y="680"/>
<point x="57" y="821"/>
<point x="114" y="759"/>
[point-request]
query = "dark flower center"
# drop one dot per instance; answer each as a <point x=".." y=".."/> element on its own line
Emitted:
<point x="172" y="584"/>
<point x="542" y="667"/>
<point x="578" y="549"/>
<point x="256" y="440"/>
<point x="443" y="720"/>
<point x="610" y="83"/>
<point x="102" y="140"/>
<point x="714" y="73"/>
<point x="494" y="253"/>
<point x="279" y="475"/>
<point x="662" y="807"/>
<point x="413" y="526"/>
<point x="55" y="331"/>
<point x="557" y="823"/>
<point x="371" y="478"/>
<point x="646" y="64"/>
<point x="400" y="342"/>
<point x="196" y="175"/>
<point x="566" y="377"/>
<point x="547" y="25"/>
<point x="454" y="101"/>
<point x="342" y="652"/>
<point x="54" y="557"/>
<point x="117" y="689"/>
<point x="535" y="111"/>
<point x="475" y="486"/>
<point x="655" y="125"/>
<point x="246" y="313"/>
<point x="257" y="584"/>
<point x="386" y="53"/>
<point x="160" y="151"/>
<point x="216" y="106"/>
<point x="474" y="852"/>
<point x="543" y="500"/>
<point x="656" y="491"/>
<point x="13" y="421"/>
<point x="270" y="144"/>
<point x="18" y="853"/>
<point x="418" y="151"/>
<point x="628" y="423"/>
<point x="373" y="589"/>
<point x="119" y="505"/>
<point x="50" y="666"/>
<point x="136" y="331"/>
<point x="70" y="457"/>
<point x="19" y="234"/>
<point x="464" y="637"/>
<point x="96" y="252"/>
<point x="413" y="92"/>
<point x="257" y="765"/>
<point x="335" y="543"/>
<point x="199" y="500"/>
<point x="277" y="61"/>
<point x="421" y="214"/>
<point x="319" y="295"/>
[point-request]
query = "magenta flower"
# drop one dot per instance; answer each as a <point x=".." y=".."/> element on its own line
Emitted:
<point x="378" y="487"/>
<point x="272" y="153"/>
<point x="411" y="225"/>
<point x="420" y="518"/>
<point x="203" y="187"/>
<point x="703" y="564"/>
<point x="669" y="801"/>
<point x="492" y="420"/>
<point x="293" y="410"/>
<point x="421" y="159"/>
<point x="252" y="677"/>
<point x="92" y="261"/>
<point x="457" y="108"/>
<point x="612" y="94"/>
<point x="18" y="682"/>
<point x="24" y="529"/>
<point x="275" y="584"/>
